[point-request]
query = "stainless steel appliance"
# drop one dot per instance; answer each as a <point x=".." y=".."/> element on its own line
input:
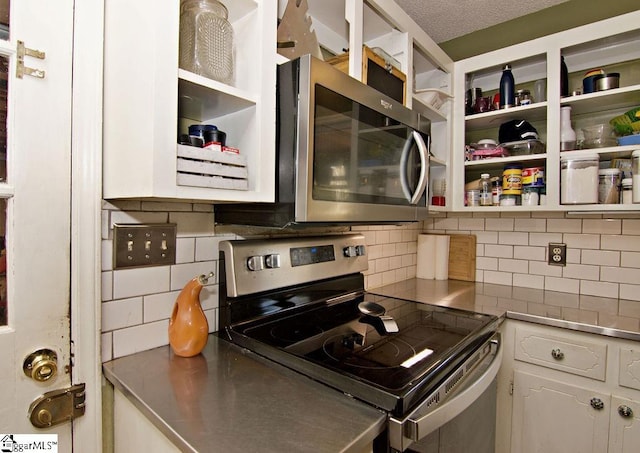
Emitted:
<point x="347" y="154"/>
<point x="301" y="302"/>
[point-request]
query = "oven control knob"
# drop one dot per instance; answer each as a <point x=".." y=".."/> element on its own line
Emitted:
<point x="255" y="263"/>
<point x="360" y="250"/>
<point x="272" y="261"/>
<point x="349" y="251"/>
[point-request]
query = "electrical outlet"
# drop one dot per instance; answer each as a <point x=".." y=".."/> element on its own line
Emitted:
<point x="557" y="254"/>
<point x="139" y="245"/>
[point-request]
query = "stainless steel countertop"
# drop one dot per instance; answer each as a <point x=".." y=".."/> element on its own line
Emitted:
<point x="232" y="400"/>
<point x="599" y="315"/>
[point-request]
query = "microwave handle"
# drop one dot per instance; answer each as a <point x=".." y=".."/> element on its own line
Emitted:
<point x="423" y="152"/>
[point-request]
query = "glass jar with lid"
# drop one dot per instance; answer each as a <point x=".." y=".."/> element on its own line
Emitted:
<point x="609" y="186"/>
<point x="206" y="40"/>
<point x="579" y="179"/>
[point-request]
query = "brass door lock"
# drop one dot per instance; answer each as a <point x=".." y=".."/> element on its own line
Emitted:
<point x="41" y="365"/>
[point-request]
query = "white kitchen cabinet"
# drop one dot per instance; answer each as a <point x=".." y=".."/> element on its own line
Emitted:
<point x="612" y="44"/>
<point x="149" y="101"/>
<point x="561" y="390"/>
<point x="349" y="24"/>
<point x="554" y="417"/>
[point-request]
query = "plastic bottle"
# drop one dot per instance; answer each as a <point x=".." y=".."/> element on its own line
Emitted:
<point x="486" y="196"/>
<point x="564" y="78"/>
<point x="507" y="88"/>
<point x="567" y="134"/>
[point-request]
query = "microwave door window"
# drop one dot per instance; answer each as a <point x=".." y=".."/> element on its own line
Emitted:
<point x="357" y="153"/>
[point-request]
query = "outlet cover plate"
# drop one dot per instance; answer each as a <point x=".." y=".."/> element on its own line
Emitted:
<point x="138" y="245"/>
<point x="557" y="254"/>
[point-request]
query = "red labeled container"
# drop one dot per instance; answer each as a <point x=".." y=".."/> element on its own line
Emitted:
<point x="533" y="176"/>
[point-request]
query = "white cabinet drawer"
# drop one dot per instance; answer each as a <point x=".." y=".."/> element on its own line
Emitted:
<point x="629" y="373"/>
<point x="562" y="353"/>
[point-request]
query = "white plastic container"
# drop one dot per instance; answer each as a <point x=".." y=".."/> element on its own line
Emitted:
<point x="609" y="186"/>
<point x="626" y="191"/>
<point x="579" y="179"/>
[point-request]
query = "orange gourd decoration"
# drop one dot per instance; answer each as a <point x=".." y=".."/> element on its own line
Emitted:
<point x="188" y="326"/>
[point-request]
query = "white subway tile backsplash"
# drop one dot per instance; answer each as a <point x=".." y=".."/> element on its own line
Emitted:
<point x="630" y="292"/>
<point x="565" y="285"/>
<point x="629" y="307"/>
<point x="620" y="275"/>
<point x="382" y="265"/>
<point x="601" y="257"/>
<point x="564" y="226"/>
<point x="629" y="259"/>
<point x="543" y="239"/>
<point x="181" y="274"/>
<point x="602" y="226"/>
<point x="525" y="252"/>
<point x="448" y="223"/>
<point x="581" y="271"/>
<point x="486" y="263"/>
<point x="121" y="313"/>
<point x="106" y="261"/>
<point x="107" y="285"/>
<point x="574" y="256"/>
<point x="600" y="303"/>
<point x="185" y="250"/>
<point x="499" y="224"/>
<point x="382" y="237"/>
<point x="165" y="206"/>
<point x="582" y="241"/>
<point x="631" y="226"/>
<point x="511" y="265"/>
<point x="562" y="299"/>
<point x="140" y="281"/>
<point x="487" y="237"/>
<point x="140" y="338"/>
<point x="159" y="306"/>
<point x="127" y="217"/>
<point x="542" y="268"/>
<point x="388" y="250"/>
<point x="601" y="289"/>
<point x="511" y="238"/>
<point x="471" y="224"/>
<point x="626" y="243"/>
<point x="106" y="346"/>
<point x="498" y="278"/>
<point x="528" y="281"/>
<point x="531" y="225"/>
<point x="498" y="251"/>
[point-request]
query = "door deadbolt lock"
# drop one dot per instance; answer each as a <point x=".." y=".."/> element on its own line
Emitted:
<point x="58" y="406"/>
<point x="41" y="365"/>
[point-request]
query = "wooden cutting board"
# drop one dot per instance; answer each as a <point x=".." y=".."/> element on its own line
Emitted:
<point x="462" y="257"/>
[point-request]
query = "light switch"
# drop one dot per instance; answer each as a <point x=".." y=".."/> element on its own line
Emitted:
<point x="136" y="245"/>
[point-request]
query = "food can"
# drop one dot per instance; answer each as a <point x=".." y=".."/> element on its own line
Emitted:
<point x="473" y="198"/>
<point x="533" y="176"/>
<point x="512" y="180"/>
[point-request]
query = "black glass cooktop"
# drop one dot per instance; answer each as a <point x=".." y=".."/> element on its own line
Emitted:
<point x="342" y="339"/>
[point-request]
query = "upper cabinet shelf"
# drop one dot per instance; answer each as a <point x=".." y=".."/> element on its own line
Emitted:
<point x="532" y="112"/>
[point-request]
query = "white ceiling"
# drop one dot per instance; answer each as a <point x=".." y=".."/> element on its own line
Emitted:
<point x="447" y="19"/>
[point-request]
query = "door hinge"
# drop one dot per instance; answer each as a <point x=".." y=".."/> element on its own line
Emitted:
<point x="21" y="69"/>
<point x="58" y="406"/>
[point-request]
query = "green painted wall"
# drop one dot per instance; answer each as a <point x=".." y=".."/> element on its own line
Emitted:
<point x="551" y="20"/>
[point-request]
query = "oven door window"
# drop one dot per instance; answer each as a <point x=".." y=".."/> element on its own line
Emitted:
<point x="361" y="155"/>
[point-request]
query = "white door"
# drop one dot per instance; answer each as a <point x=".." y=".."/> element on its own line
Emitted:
<point x="35" y="210"/>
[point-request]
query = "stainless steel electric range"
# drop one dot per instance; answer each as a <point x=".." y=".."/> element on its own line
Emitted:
<point x="301" y="302"/>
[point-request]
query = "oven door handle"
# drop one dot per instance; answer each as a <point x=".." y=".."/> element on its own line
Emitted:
<point x="417" y="426"/>
<point x="423" y="179"/>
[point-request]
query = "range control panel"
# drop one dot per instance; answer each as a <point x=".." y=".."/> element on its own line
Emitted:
<point x="265" y="264"/>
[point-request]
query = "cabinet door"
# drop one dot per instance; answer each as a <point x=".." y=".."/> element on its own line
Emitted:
<point x="554" y="417"/>
<point x="624" y="425"/>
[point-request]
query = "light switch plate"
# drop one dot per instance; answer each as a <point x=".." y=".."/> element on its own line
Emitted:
<point x="137" y="245"/>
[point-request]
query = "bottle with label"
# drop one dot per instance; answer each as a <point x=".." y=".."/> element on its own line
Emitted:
<point x="567" y="134"/>
<point x="486" y="197"/>
<point x="496" y="192"/>
<point x="507" y="88"/>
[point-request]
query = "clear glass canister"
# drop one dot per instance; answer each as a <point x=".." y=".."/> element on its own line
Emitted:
<point x="206" y="40"/>
<point x="579" y="179"/>
<point x="609" y="186"/>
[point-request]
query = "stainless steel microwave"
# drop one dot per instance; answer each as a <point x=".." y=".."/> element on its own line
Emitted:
<point x="347" y="154"/>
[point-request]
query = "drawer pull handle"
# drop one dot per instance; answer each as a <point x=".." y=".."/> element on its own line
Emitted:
<point x="625" y="411"/>
<point x="597" y="403"/>
<point x="557" y="354"/>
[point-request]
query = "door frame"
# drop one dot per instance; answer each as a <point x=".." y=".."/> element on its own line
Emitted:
<point x="86" y="206"/>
